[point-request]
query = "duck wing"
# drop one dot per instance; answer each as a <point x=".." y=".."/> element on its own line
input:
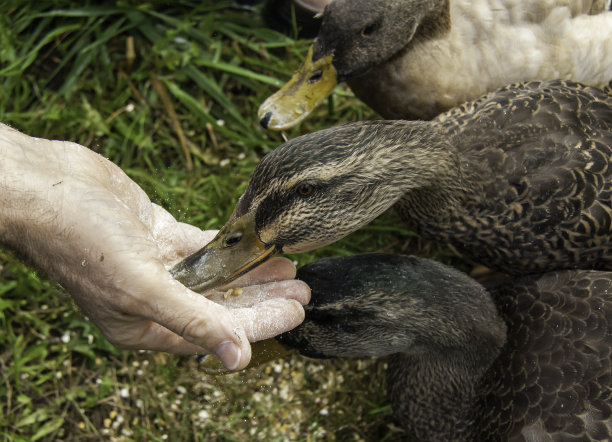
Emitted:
<point x="555" y="368"/>
<point x="536" y="161"/>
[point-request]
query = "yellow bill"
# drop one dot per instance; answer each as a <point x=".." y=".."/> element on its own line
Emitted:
<point x="314" y="82"/>
<point x="233" y="252"/>
<point x="262" y="352"/>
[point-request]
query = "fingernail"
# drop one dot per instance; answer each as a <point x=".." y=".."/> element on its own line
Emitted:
<point x="229" y="353"/>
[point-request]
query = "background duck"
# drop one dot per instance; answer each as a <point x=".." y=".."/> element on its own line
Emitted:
<point x="528" y="360"/>
<point x="414" y="59"/>
<point x="519" y="180"/>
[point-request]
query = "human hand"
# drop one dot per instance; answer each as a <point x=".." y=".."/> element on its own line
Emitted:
<point x="80" y="219"/>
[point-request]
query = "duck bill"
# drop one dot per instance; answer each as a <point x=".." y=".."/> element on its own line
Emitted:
<point x="233" y="252"/>
<point x="262" y="352"/>
<point x="314" y="82"/>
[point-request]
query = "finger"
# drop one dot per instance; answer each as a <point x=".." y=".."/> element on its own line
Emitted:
<point x="251" y="295"/>
<point x="275" y="269"/>
<point x="159" y="338"/>
<point x="154" y="337"/>
<point x="196" y="319"/>
<point x="193" y="238"/>
<point x="175" y="240"/>
<point x="269" y="318"/>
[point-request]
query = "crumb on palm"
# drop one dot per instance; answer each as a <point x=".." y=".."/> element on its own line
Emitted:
<point x="233" y="292"/>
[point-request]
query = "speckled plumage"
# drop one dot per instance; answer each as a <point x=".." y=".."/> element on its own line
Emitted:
<point x="537" y="157"/>
<point x="518" y="180"/>
<point x="530" y="361"/>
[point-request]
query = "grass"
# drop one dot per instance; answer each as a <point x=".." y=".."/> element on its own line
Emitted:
<point x="170" y="94"/>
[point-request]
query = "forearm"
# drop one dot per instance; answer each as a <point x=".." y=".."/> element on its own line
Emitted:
<point x="34" y="221"/>
<point x="21" y="189"/>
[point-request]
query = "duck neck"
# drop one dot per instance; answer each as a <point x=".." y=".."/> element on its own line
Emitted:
<point x="431" y="177"/>
<point x="453" y="346"/>
<point x="443" y="388"/>
<point x="436" y="23"/>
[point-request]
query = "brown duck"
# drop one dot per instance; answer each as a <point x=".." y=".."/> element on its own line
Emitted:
<point x="519" y="180"/>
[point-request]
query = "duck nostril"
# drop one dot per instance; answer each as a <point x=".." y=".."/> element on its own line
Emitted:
<point x="233" y="239"/>
<point x="265" y="120"/>
<point x="369" y="29"/>
<point x="316" y="76"/>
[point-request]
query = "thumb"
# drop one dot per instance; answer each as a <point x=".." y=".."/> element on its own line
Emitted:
<point x="199" y="322"/>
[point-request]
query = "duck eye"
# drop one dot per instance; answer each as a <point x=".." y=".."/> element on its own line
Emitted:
<point x="233" y="239"/>
<point x="369" y="29"/>
<point x="305" y="189"/>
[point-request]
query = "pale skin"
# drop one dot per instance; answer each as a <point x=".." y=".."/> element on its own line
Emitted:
<point x="82" y="221"/>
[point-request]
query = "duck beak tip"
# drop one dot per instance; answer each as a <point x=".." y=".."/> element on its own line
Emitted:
<point x="218" y="263"/>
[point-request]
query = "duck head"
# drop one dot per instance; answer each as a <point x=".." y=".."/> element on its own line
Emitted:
<point x="313" y="191"/>
<point x="378" y="304"/>
<point x="355" y="35"/>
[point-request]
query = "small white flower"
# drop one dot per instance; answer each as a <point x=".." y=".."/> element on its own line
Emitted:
<point x="66" y="338"/>
<point x="324" y="412"/>
<point x="129" y="107"/>
<point x="124" y="392"/>
<point x="203" y="415"/>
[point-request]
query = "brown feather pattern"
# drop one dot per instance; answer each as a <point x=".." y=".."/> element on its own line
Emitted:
<point x="536" y="162"/>
<point x="518" y="180"/>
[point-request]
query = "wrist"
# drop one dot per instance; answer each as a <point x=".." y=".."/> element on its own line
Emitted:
<point x="26" y="168"/>
<point x="10" y="191"/>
